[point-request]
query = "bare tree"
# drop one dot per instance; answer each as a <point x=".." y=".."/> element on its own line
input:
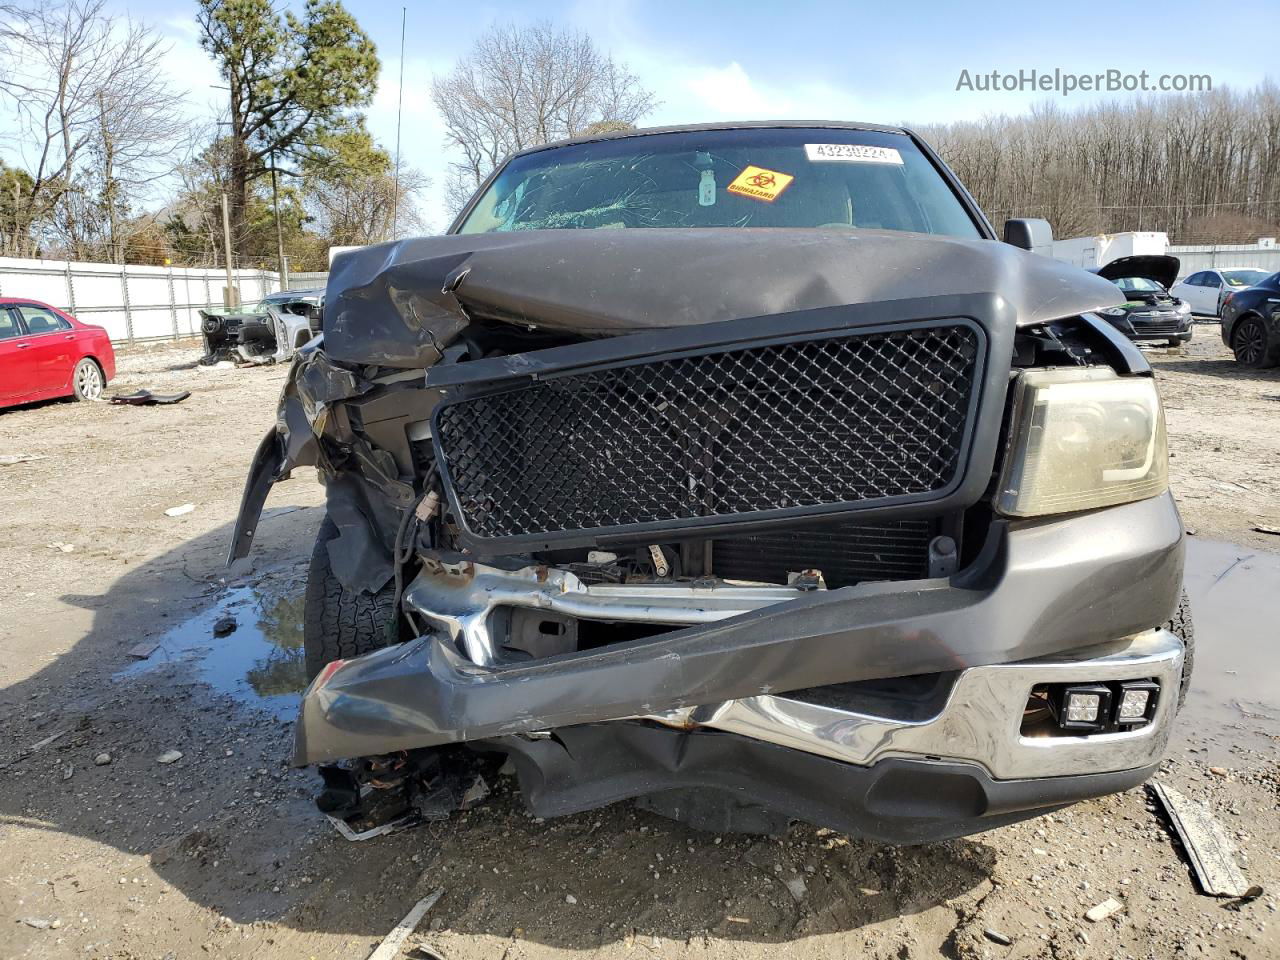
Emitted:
<point x="353" y="210"/>
<point x="1200" y="167"/>
<point x="96" y="120"/>
<point x="524" y="86"/>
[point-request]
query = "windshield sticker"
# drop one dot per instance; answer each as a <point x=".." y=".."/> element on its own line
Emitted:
<point x="760" y="184"/>
<point x="851" y="153"/>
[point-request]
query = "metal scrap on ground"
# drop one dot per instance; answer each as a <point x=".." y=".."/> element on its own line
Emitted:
<point x="145" y="398"/>
<point x="10" y="459"/>
<point x="1206" y="844"/>
<point x="390" y="946"/>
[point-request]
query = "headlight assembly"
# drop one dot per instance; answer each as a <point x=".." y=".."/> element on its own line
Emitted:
<point x="1083" y="439"/>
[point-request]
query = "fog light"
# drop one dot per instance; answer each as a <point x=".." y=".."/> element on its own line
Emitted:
<point x="1083" y="707"/>
<point x="1137" y="702"/>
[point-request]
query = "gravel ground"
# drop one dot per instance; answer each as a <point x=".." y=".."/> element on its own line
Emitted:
<point x="107" y="851"/>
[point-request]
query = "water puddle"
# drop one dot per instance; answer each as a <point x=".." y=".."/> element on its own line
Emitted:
<point x="1234" y="703"/>
<point x="260" y="663"/>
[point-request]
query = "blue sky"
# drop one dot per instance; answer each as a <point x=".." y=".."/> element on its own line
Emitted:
<point x="770" y="59"/>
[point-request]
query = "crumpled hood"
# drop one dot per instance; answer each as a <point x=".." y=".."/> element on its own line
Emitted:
<point x="400" y="304"/>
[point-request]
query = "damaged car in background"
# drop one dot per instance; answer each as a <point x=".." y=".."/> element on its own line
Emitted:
<point x="1149" y="312"/>
<point x="740" y="470"/>
<point x="268" y="332"/>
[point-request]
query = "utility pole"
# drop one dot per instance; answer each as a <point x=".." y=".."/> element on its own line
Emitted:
<point x="395" y="200"/>
<point x="283" y="264"/>
<point x="230" y="297"/>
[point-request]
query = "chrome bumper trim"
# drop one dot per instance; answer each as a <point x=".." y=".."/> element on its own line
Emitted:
<point x="980" y="721"/>
<point x="459" y="598"/>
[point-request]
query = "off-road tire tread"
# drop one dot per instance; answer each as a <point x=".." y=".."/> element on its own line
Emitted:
<point x="337" y="623"/>
<point x="1180" y="625"/>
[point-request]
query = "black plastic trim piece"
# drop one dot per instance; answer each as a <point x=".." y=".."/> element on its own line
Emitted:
<point x="898" y="801"/>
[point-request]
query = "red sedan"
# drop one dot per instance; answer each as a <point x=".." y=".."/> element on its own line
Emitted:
<point x="45" y="353"/>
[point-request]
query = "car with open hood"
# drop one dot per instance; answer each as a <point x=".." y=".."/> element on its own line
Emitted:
<point x="1150" y="312"/>
<point x="740" y="470"/>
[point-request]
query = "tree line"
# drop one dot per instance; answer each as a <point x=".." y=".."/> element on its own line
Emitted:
<point x="1204" y="168"/>
<point x="113" y="167"/>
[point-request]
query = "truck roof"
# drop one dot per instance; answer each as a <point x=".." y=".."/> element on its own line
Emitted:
<point x="728" y="125"/>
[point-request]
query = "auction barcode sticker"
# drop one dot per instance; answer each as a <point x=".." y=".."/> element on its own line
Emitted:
<point x="851" y="153"/>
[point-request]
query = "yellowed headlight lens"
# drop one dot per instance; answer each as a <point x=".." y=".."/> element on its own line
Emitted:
<point x="1083" y="439"/>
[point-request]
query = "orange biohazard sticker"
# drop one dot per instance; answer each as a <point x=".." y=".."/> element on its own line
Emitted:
<point x="760" y="184"/>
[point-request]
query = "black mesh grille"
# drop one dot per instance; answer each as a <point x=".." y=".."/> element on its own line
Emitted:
<point x="844" y="420"/>
<point x="846" y="553"/>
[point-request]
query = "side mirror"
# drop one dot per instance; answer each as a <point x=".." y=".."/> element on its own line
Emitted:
<point x="1029" y="233"/>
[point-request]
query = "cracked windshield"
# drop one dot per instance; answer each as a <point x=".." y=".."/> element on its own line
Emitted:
<point x="755" y="177"/>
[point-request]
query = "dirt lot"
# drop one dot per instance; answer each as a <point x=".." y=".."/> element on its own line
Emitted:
<point x="105" y="851"/>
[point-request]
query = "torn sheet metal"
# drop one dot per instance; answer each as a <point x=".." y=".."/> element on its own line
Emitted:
<point x="401" y="304"/>
<point x="1206" y="844"/>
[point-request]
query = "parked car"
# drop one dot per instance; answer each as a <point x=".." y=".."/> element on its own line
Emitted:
<point x="742" y="470"/>
<point x="271" y="330"/>
<point x="1207" y="290"/>
<point x="1149" y="311"/>
<point x="1251" y="323"/>
<point x="46" y="353"/>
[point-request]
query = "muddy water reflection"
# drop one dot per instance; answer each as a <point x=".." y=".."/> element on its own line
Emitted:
<point x="1234" y="705"/>
<point x="261" y="662"/>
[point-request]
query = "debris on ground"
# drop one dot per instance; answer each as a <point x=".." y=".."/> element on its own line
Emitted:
<point x="390" y="946"/>
<point x="40" y="923"/>
<point x="180" y="510"/>
<point x="224" y="627"/>
<point x="102" y="759"/>
<point x="64" y="547"/>
<point x="1204" y="842"/>
<point x="995" y="936"/>
<point x="570" y="899"/>
<point x="145" y="398"/>
<point x="68" y="771"/>
<point x="474" y="794"/>
<point x="1274" y="531"/>
<point x="1101" y="911"/>
<point x="796" y="887"/>
<point x="10" y="459"/>
<point x="142" y="651"/>
<point x="169" y="756"/>
<point x="40" y="745"/>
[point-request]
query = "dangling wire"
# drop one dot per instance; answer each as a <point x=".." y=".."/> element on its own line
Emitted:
<point x="403" y="551"/>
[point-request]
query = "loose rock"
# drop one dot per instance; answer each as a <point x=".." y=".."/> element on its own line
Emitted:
<point x="1103" y="910"/>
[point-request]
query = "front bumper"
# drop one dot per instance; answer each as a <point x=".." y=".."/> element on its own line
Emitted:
<point x="1174" y="326"/>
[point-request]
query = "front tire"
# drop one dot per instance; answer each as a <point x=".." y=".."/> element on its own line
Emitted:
<point x="87" y="381"/>
<point x="337" y="623"/>
<point x="1252" y="345"/>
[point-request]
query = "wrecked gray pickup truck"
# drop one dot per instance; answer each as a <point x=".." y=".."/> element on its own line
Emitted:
<point x="786" y="492"/>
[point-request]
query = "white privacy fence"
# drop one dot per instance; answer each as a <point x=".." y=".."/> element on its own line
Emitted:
<point x="135" y="303"/>
<point x="1196" y="257"/>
